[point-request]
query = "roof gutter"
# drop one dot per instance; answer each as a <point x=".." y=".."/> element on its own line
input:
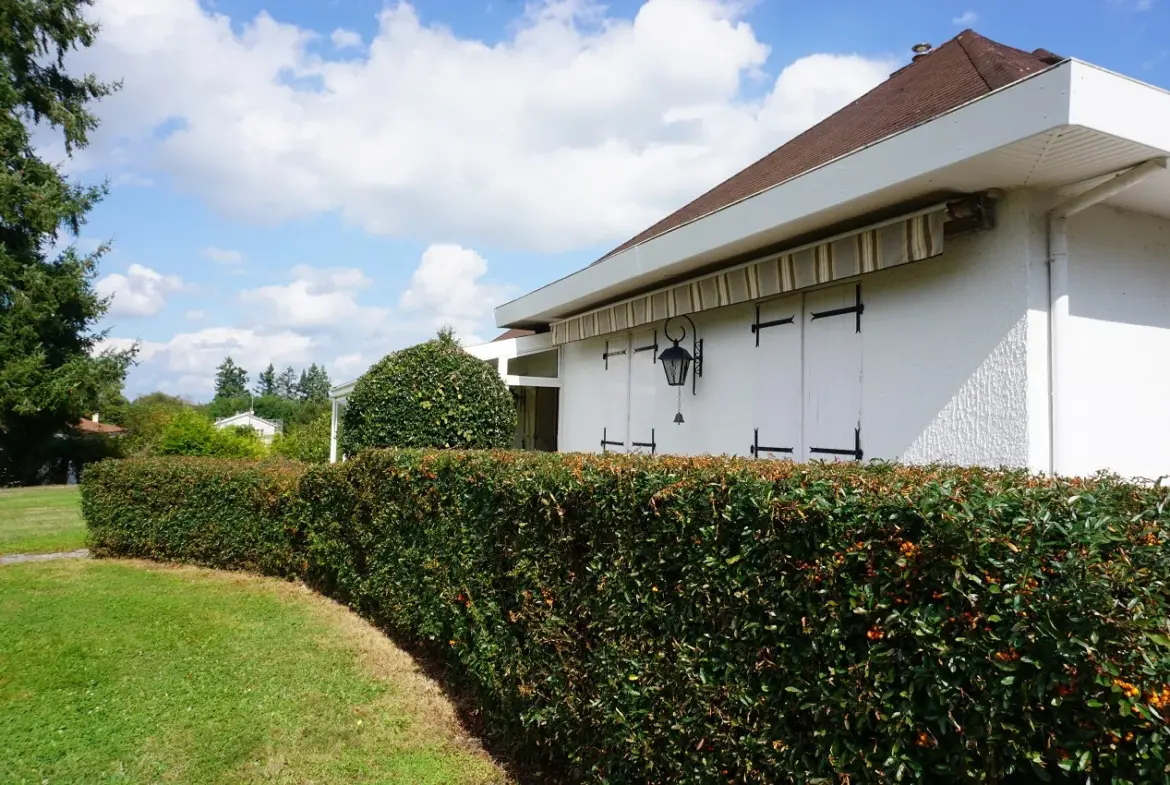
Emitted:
<point x="1059" y="360"/>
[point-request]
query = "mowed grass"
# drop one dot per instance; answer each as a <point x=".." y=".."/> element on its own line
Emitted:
<point x="41" y="520"/>
<point x="128" y="672"/>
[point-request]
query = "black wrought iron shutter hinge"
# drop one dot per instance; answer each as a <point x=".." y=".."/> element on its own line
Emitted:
<point x="652" y="347"/>
<point x="855" y="453"/>
<point x="858" y="309"/>
<point x="756" y="448"/>
<point x="605" y="442"/>
<point x="607" y="354"/>
<point x="652" y="444"/>
<point x="757" y="325"/>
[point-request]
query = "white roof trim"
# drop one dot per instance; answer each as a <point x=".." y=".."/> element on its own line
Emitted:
<point x="1071" y="92"/>
<point x="492" y="350"/>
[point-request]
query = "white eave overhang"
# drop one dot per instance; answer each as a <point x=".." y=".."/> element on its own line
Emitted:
<point x="1062" y="126"/>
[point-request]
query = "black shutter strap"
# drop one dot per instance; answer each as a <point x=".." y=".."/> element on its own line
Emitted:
<point x="605" y="442"/>
<point x="756" y="448"/>
<point x="857" y="309"/>
<point x="757" y="325"/>
<point x="855" y="453"/>
<point x="651" y="444"/>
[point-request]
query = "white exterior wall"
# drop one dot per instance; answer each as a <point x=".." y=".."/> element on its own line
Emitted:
<point x="939" y="371"/>
<point x="953" y="355"/>
<point x="1119" y="328"/>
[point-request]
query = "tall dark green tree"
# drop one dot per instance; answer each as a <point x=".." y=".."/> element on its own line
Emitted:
<point x="51" y="372"/>
<point x="314" y="385"/>
<point x="266" y="381"/>
<point x="231" y="381"/>
<point x="286" y="383"/>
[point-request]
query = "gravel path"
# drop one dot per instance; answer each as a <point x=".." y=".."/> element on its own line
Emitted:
<point x="17" y="558"/>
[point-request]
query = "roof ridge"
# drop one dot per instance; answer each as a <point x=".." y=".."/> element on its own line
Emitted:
<point x="965" y="38"/>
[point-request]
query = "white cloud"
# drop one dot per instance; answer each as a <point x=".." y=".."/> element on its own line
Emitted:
<point x="447" y="289"/>
<point x="186" y="363"/>
<point x="346" y="39"/>
<point x="316" y="298"/>
<point x="196" y="315"/>
<point x="140" y="292"/>
<point x="578" y="129"/>
<point x="966" y="19"/>
<point x="222" y="255"/>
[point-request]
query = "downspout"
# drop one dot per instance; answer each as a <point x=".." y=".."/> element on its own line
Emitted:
<point x="1058" y="314"/>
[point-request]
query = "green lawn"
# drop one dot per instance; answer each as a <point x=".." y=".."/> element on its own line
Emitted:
<point x="41" y="520"/>
<point x="127" y="672"/>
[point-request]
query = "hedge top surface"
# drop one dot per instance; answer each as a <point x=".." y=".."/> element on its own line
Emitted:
<point x="431" y="395"/>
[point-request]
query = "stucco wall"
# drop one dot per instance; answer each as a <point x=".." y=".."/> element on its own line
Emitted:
<point x="944" y="358"/>
<point x="1119" y="329"/>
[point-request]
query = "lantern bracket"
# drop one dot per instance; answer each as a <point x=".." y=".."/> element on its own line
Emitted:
<point x="696" y="347"/>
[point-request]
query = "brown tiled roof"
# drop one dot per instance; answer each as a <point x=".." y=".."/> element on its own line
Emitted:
<point x="967" y="67"/>
<point x="513" y="334"/>
<point x="89" y="426"/>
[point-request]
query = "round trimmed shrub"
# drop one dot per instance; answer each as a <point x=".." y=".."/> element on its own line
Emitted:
<point x="431" y="395"/>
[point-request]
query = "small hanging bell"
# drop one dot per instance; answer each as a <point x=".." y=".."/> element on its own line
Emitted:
<point x="678" y="418"/>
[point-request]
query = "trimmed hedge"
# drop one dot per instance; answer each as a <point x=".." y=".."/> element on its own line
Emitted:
<point x="630" y="619"/>
<point x="433" y="395"/>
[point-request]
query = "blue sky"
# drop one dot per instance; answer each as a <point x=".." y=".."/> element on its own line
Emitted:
<point x="298" y="181"/>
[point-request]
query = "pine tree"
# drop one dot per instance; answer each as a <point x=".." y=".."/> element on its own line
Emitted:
<point x="231" y="381"/>
<point x="302" y="386"/>
<point x="315" y="384"/>
<point x="266" y="381"/>
<point x="50" y="374"/>
<point x="286" y="383"/>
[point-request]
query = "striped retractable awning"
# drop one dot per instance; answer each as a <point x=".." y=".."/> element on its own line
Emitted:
<point x="908" y="239"/>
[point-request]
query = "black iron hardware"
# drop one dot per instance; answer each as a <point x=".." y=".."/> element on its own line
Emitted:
<point x="756" y="448"/>
<point x="855" y="453"/>
<point x="676" y="361"/>
<point x="757" y="325"/>
<point x="652" y="444"/>
<point x="858" y="309"/>
<point x="652" y="347"/>
<point x="605" y="442"/>
<point x="607" y="354"/>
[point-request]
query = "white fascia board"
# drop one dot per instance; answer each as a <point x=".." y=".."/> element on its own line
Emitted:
<point x="1019" y="111"/>
<point x="1120" y="106"/>
<point x="512" y="347"/>
<point x="342" y="390"/>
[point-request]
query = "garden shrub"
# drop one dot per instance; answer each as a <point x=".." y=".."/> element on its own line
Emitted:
<point x="210" y="511"/>
<point x="431" y="395"/>
<point x="191" y="434"/>
<point x="308" y="442"/>
<point x="630" y="619"/>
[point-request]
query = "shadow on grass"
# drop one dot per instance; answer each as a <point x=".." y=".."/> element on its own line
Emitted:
<point x="511" y="754"/>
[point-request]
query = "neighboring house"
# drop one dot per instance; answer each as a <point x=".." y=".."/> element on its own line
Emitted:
<point x="968" y="264"/>
<point x="95" y="427"/>
<point x="266" y="429"/>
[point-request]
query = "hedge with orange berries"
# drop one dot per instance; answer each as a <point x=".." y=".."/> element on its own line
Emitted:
<point x="631" y="619"/>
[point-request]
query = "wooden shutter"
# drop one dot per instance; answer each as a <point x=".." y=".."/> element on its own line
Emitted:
<point x="615" y="393"/>
<point x="645" y="378"/>
<point x="833" y="320"/>
<point x="776" y="387"/>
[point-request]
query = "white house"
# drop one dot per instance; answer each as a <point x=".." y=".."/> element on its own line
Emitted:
<point x="267" y="429"/>
<point x="969" y="264"/>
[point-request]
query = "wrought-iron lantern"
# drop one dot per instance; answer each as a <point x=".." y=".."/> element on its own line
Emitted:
<point x="677" y="361"/>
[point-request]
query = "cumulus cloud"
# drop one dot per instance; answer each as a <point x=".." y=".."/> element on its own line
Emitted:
<point x="186" y="363"/>
<point x="316" y="298"/>
<point x="346" y="39"/>
<point x="577" y="129"/>
<point x="141" y="291"/>
<point x="448" y="289"/>
<point x="222" y="255"/>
